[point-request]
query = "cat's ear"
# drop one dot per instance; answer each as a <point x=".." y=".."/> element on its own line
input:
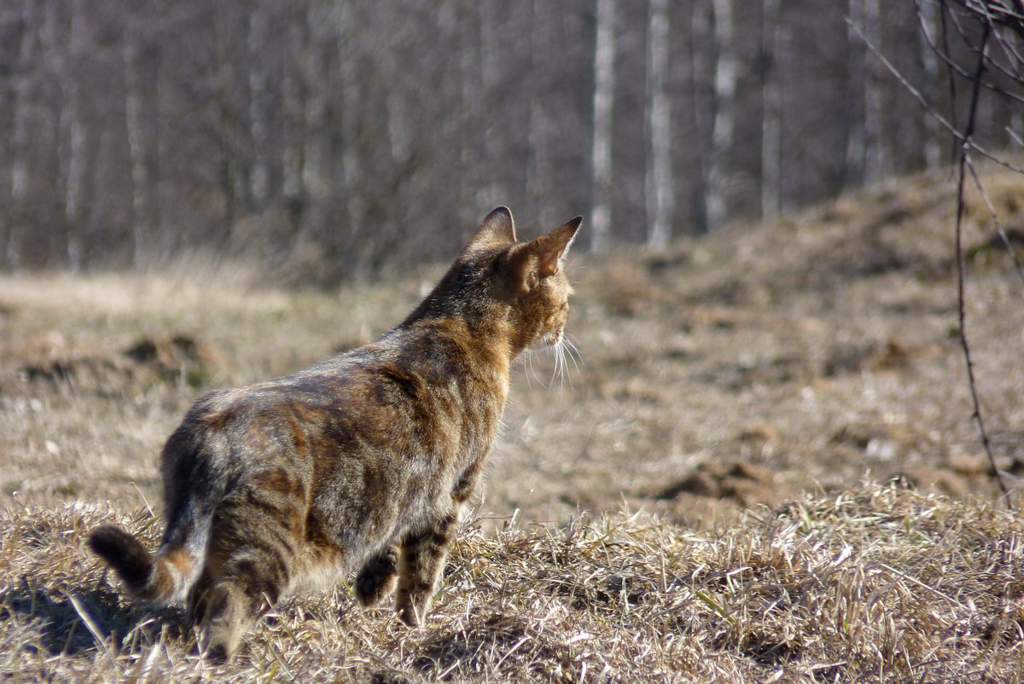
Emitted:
<point x="541" y="258"/>
<point x="497" y="230"/>
<point x="552" y="248"/>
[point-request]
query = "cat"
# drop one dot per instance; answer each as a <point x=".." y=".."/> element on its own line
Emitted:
<point x="362" y="462"/>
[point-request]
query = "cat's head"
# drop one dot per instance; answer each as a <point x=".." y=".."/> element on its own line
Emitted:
<point x="527" y="277"/>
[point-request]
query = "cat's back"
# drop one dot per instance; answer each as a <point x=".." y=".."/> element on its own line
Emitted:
<point x="426" y="391"/>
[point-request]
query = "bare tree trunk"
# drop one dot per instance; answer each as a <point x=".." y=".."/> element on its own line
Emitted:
<point x="856" y="85"/>
<point x="315" y="174"/>
<point x="138" y="173"/>
<point x="537" y="160"/>
<point x="20" y="142"/>
<point x="351" y="155"/>
<point x="933" y="130"/>
<point x="725" y="113"/>
<point x="256" y="40"/>
<point x="874" y="154"/>
<point x="604" y="93"/>
<point x="71" y="146"/>
<point x="397" y="129"/>
<point x="295" y="93"/>
<point x="660" y="184"/>
<point x="701" y="96"/>
<point x="471" y="94"/>
<point x="490" y="77"/>
<point x="771" y="97"/>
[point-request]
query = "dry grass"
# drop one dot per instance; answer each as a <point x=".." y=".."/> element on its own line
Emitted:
<point x="735" y="372"/>
<point x="878" y="583"/>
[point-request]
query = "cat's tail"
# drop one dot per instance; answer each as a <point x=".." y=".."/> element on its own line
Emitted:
<point x="164" y="577"/>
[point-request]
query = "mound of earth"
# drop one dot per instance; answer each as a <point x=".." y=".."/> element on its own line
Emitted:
<point x="176" y="358"/>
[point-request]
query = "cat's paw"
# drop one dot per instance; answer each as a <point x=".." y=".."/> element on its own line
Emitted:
<point x="378" y="578"/>
<point x="410" y="616"/>
<point x="372" y="588"/>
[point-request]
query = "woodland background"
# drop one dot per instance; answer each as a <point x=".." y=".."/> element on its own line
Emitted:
<point x="764" y="463"/>
<point x="325" y="139"/>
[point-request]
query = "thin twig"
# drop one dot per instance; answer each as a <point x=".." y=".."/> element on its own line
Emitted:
<point x="995" y="219"/>
<point x="965" y="151"/>
<point x="958" y="136"/>
<point x="981" y="16"/>
<point x="953" y="67"/>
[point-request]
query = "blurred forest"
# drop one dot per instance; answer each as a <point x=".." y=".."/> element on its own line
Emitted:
<point x="325" y="139"/>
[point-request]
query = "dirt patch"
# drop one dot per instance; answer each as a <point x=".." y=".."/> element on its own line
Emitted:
<point x="844" y="359"/>
<point x="86" y="373"/>
<point x="626" y="290"/>
<point x="736" y="377"/>
<point x="939" y="480"/>
<point x="745" y="483"/>
<point x="177" y="358"/>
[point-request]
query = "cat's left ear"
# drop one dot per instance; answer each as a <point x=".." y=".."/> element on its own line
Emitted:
<point x="552" y="248"/>
<point x="497" y="230"/>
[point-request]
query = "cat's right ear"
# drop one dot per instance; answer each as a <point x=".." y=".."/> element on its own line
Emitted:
<point x="497" y="231"/>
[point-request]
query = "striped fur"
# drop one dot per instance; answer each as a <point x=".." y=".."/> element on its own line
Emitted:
<point x="359" y="464"/>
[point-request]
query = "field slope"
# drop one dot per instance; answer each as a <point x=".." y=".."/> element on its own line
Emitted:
<point x="763" y="468"/>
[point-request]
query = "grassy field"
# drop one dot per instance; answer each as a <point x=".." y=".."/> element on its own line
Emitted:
<point x="763" y="469"/>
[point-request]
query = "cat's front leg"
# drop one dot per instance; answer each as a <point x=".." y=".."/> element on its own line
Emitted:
<point x="423" y="557"/>
<point x="466" y="484"/>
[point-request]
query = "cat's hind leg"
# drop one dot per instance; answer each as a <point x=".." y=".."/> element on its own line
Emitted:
<point x="423" y="557"/>
<point x="378" y="577"/>
<point x="249" y="566"/>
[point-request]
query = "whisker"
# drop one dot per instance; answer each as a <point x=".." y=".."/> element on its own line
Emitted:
<point x="554" y="369"/>
<point x="563" y="352"/>
<point x="573" y="352"/>
<point x="531" y="370"/>
<point x="560" y="363"/>
<point x="579" y="351"/>
<point x="565" y="365"/>
<point x="573" y="349"/>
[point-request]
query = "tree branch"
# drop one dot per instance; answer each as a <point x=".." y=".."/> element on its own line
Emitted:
<point x="965" y="151"/>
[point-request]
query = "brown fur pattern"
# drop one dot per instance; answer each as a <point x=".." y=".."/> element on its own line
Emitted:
<point x="361" y="463"/>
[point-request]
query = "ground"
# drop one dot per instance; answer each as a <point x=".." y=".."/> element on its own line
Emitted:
<point x="741" y="403"/>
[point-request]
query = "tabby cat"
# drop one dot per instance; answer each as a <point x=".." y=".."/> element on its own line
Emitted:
<point x="361" y="462"/>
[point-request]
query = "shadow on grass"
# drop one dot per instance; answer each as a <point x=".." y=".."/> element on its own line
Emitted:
<point x="485" y="643"/>
<point x="63" y="629"/>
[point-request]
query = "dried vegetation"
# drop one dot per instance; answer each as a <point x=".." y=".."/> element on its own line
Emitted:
<point x="731" y="389"/>
<point x="879" y="583"/>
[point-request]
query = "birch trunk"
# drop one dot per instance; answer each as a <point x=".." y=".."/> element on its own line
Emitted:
<point x="932" y="129"/>
<point x="604" y="88"/>
<point x="490" y="77"/>
<point x="701" y="95"/>
<point x="471" y="94"/>
<point x="725" y="113"/>
<point x="771" y="97"/>
<point x="292" y="157"/>
<point x="20" y="136"/>
<point x="397" y="129"/>
<point x="355" y="205"/>
<point x="537" y="177"/>
<point x="314" y="157"/>
<point x="874" y="159"/>
<point x="256" y="79"/>
<point x="138" y="173"/>
<point x="856" y="85"/>
<point x="71" y="145"/>
<point x="660" y="185"/>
